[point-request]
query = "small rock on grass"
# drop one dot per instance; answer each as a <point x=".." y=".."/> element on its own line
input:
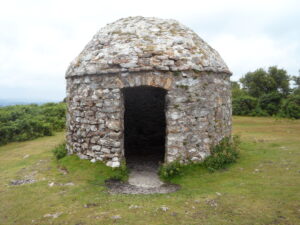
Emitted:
<point x="64" y="171"/>
<point x="134" y="207"/>
<point x="213" y="203"/>
<point x="116" y="217"/>
<point x="164" y="208"/>
<point x="21" y="182"/>
<point x="54" y="215"/>
<point x="66" y="184"/>
<point x="89" y="205"/>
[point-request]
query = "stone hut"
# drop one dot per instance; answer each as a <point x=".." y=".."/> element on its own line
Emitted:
<point x="147" y="88"/>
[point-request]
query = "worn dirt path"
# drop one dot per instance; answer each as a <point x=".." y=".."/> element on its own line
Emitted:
<point x="143" y="179"/>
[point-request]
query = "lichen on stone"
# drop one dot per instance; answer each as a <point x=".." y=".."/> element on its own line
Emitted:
<point x="143" y="44"/>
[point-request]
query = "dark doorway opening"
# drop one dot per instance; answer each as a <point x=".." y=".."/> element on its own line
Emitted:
<point x="144" y="125"/>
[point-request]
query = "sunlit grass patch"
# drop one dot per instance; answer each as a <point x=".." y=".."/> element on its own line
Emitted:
<point x="262" y="187"/>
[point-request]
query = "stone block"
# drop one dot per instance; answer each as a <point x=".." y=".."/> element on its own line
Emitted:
<point x="96" y="148"/>
<point x="113" y="125"/>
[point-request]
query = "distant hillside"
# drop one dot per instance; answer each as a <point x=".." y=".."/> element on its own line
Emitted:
<point x="7" y="102"/>
<point x="26" y="122"/>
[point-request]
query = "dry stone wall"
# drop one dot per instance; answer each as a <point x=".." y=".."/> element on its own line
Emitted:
<point x="136" y="44"/>
<point x="198" y="113"/>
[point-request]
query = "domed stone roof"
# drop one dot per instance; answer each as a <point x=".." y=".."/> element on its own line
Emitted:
<point x="143" y="44"/>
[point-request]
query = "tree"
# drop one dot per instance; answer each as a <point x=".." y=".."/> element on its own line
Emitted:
<point x="282" y="80"/>
<point x="258" y="83"/>
<point x="243" y="105"/>
<point x="291" y="107"/>
<point x="236" y="90"/>
<point x="262" y="82"/>
<point x="296" y="80"/>
<point x="270" y="103"/>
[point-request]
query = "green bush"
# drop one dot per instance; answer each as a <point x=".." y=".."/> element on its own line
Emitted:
<point x="291" y="107"/>
<point x="120" y="173"/>
<point x="223" y="154"/>
<point x="270" y="103"/>
<point x="26" y="122"/>
<point x="243" y="105"/>
<point x="60" y="151"/>
<point x="170" y="170"/>
<point x="273" y="91"/>
<point x="258" y="112"/>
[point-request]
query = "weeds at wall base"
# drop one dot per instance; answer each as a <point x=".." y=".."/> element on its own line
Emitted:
<point x="222" y="155"/>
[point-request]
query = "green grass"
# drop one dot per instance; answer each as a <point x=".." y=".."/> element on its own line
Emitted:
<point x="261" y="188"/>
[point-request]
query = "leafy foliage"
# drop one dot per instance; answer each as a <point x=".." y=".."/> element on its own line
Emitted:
<point x="243" y="105"/>
<point x="120" y="173"/>
<point x="291" y="107"/>
<point x="170" y="170"/>
<point x="26" y="122"/>
<point x="257" y="83"/>
<point x="296" y="80"/>
<point x="236" y="90"/>
<point x="266" y="93"/>
<point x="60" y="151"/>
<point x="261" y="82"/>
<point x="223" y="154"/>
<point x="270" y="103"/>
<point x="281" y="78"/>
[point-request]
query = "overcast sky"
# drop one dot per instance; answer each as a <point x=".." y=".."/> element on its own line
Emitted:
<point x="38" y="39"/>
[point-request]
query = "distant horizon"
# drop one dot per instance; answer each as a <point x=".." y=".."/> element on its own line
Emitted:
<point x="16" y="101"/>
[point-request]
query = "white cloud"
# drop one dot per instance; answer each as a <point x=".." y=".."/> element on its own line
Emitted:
<point x="39" y="38"/>
<point x="247" y="54"/>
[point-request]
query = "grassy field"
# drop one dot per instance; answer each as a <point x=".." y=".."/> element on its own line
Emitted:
<point x="263" y="187"/>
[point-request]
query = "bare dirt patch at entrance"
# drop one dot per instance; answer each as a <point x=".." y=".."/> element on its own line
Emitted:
<point x="143" y="178"/>
<point x="119" y="187"/>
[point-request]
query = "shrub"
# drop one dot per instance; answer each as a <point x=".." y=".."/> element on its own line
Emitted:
<point x="291" y="107"/>
<point x="120" y="173"/>
<point x="60" y="151"/>
<point x="26" y="122"/>
<point x="223" y="154"/>
<point x="258" y="112"/>
<point x="270" y="103"/>
<point x="243" y="105"/>
<point x="170" y="170"/>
